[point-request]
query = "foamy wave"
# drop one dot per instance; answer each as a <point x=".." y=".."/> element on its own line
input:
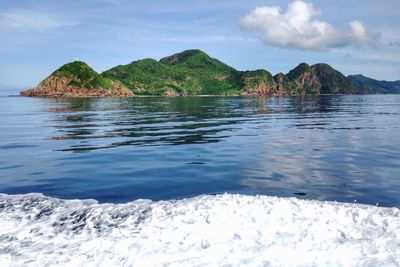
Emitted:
<point x="207" y="230"/>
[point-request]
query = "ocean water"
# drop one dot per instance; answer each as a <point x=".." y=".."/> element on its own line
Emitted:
<point x="342" y="148"/>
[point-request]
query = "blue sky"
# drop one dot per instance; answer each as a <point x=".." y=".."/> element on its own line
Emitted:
<point x="354" y="36"/>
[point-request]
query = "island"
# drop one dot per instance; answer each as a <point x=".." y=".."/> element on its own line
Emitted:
<point x="193" y="72"/>
<point x="77" y="79"/>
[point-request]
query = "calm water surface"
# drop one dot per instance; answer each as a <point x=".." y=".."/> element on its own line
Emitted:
<point x="341" y="148"/>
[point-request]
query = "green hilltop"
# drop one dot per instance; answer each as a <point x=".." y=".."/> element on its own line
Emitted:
<point x="80" y="75"/>
<point x="192" y="72"/>
<point x="317" y="79"/>
<point x="77" y="79"/>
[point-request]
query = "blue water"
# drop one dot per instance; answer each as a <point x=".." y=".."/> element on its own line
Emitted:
<point x="341" y="148"/>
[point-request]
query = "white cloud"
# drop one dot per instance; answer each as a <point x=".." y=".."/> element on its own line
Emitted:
<point x="25" y="19"/>
<point x="298" y="28"/>
<point x="358" y="30"/>
<point x="389" y="37"/>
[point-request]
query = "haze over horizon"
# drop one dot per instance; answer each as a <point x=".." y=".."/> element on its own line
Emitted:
<point x="352" y="36"/>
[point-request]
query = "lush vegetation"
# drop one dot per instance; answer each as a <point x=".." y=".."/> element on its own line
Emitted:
<point x="299" y="70"/>
<point x="251" y="79"/>
<point x="332" y="81"/>
<point x="80" y="75"/>
<point x="317" y="79"/>
<point x="193" y="72"/>
<point x="302" y="80"/>
<point x="370" y="86"/>
<point x="189" y="73"/>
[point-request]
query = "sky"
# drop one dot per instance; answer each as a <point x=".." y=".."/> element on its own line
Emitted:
<point x="354" y="36"/>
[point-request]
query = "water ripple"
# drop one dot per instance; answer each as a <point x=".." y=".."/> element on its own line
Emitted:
<point x="324" y="147"/>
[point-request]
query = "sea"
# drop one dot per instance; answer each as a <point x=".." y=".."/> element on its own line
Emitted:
<point x="342" y="148"/>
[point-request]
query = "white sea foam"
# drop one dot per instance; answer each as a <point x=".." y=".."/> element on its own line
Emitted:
<point x="226" y="229"/>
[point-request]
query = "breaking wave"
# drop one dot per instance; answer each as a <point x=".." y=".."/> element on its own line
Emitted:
<point x="208" y="230"/>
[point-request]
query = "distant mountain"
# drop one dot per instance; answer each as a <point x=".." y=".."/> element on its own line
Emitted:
<point x="191" y="72"/>
<point x="77" y="79"/>
<point x="367" y="85"/>
<point x="7" y="90"/>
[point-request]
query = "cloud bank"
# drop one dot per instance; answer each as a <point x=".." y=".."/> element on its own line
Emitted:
<point x="298" y="28"/>
<point x="31" y="20"/>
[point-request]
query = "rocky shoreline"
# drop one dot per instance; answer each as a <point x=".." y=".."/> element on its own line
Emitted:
<point x="70" y="91"/>
<point x="77" y="79"/>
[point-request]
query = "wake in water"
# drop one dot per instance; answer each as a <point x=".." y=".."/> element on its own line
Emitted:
<point x="206" y="230"/>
